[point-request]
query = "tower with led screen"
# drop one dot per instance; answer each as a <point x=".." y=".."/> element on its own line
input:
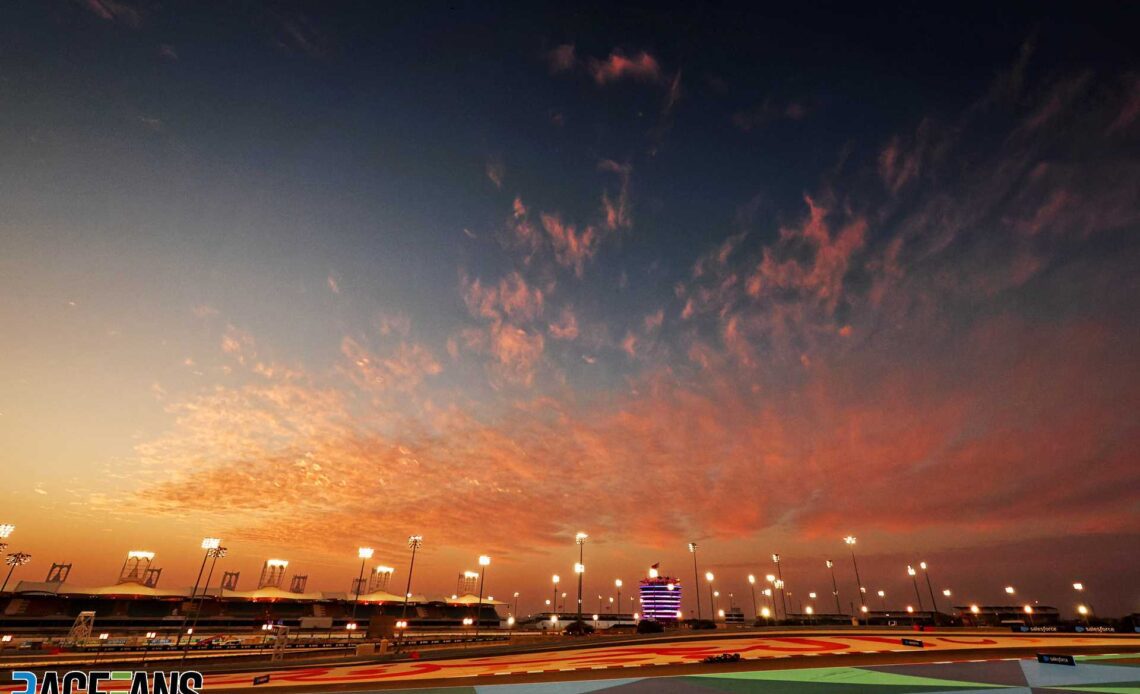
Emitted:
<point x="660" y="596"/>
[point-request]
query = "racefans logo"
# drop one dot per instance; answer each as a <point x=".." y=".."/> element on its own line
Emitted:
<point x="76" y="681"/>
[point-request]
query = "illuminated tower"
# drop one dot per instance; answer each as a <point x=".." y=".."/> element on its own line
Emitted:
<point x="660" y="597"/>
<point x="272" y="573"/>
<point x="467" y="582"/>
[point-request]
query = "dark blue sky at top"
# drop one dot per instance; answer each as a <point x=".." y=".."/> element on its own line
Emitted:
<point x="351" y="138"/>
<point x="404" y="104"/>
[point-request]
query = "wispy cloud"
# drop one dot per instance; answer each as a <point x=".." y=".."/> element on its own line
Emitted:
<point x="618" y="66"/>
<point x="113" y="10"/>
<point x="561" y="58"/>
<point x="495" y="171"/>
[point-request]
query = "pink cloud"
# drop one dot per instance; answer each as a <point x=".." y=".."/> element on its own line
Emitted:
<point x="629" y="344"/>
<point x="654" y="320"/>
<point x="571" y="248"/>
<point x="511" y="298"/>
<point x="567" y="326"/>
<point x="618" y="66"/>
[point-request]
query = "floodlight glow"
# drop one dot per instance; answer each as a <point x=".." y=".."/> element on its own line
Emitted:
<point x="484" y="560"/>
<point x="211" y="543"/>
<point x="364" y="553"/>
<point x="282" y="563"/>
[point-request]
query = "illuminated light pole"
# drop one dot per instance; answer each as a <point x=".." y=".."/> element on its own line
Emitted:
<point x="102" y="639"/>
<point x="780" y="577"/>
<point x="146" y="644"/>
<point x="752" y="587"/>
<point x="834" y="586"/>
<point x="696" y="582"/>
<point x="516" y="610"/>
<point x="580" y="568"/>
<point x="1080" y="588"/>
<point x="974" y="613"/>
<point x="913" y="579"/>
<point x="850" y="540"/>
<point x="215" y="554"/>
<point x="414" y="543"/>
<point x="1029" y="613"/>
<point x="13" y="560"/>
<point x="208" y="543"/>
<point x="6" y="530"/>
<point x="712" y="604"/>
<point x="556" y="579"/>
<point x="910" y="611"/>
<point x="1083" y="612"/>
<point x="617" y="585"/>
<point x="883" y="599"/>
<point x="364" y="554"/>
<point x="484" y="561"/>
<point x="933" y="602"/>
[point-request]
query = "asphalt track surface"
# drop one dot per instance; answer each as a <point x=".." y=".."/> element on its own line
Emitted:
<point x="677" y="656"/>
<point x="658" y="656"/>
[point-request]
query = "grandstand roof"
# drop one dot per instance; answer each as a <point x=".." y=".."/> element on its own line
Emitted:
<point x="470" y="599"/>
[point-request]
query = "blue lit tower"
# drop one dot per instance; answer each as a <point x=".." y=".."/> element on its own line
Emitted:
<point x="660" y="597"/>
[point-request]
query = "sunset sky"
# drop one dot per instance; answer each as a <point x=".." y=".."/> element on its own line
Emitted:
<point x="309" y="277"/>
